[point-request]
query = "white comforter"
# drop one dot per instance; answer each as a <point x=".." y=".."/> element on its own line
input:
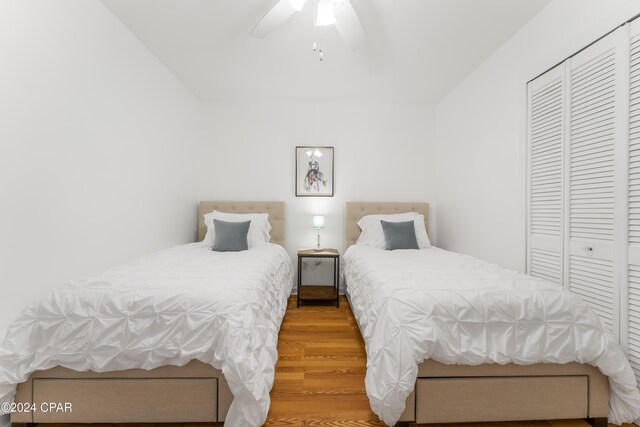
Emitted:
<point x="183" y="303"/>
<point x="456" y="309"/>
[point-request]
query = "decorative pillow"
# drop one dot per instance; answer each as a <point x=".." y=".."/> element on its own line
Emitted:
<point x="230" y="236"/>
<point x="258" y="230"/>
<point x="399" y="235"/>
<point x="372" y="234"/>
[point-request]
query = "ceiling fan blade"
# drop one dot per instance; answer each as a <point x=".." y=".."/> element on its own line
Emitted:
<point x="274" y="18"/>
<point x="349" y="26"/>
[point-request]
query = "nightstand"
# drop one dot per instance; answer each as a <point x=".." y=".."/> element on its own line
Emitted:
<point x="315" y="292"/>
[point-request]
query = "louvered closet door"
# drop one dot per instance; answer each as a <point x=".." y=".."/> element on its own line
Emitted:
<point x="633" y="289"/>
<point x="546" y="158"/>
<point x="595" y="139"/>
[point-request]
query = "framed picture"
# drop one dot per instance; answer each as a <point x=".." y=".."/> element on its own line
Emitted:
<point x="314" y="172"/>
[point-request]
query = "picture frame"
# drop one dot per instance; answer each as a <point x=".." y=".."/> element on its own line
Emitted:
<point x="314" y="171"/>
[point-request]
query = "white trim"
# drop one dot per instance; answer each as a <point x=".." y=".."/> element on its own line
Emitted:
<point x="621" y="216"/>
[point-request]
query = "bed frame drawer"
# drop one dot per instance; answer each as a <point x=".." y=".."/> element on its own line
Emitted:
<point x="440" y="400"/>
<point x="146" y="400"/>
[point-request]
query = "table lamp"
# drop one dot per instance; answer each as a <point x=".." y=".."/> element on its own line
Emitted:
<point x="318" y="224"/>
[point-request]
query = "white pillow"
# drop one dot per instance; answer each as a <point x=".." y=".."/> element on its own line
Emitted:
<point x="259" y="229"/>
<point x="372" y="234"/>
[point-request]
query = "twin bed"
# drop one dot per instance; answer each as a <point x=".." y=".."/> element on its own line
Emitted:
<point x="189" y="335"/>
<point x="450" y="338"/>
<point x="183" y="335"/>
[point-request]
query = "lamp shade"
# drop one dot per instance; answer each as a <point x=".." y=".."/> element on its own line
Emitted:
<point x="318" y="221"/>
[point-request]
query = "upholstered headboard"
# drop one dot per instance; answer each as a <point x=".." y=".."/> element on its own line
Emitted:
<point x="356" y="210"/>
<point x="274" y="209"/>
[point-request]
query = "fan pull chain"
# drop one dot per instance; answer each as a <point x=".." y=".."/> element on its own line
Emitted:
<point x="319" y="51"/>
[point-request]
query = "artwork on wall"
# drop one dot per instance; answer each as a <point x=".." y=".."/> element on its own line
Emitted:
<point x="314" y="171"/>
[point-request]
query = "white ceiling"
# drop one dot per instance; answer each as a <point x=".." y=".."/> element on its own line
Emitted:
<point x="416" y="51"/>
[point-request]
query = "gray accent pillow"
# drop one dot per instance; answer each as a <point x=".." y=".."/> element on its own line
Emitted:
<point x="230" y="236"/>
<point x="399" y="235"/>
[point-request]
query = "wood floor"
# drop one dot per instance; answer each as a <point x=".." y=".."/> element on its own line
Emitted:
<point x="320" y="373"/>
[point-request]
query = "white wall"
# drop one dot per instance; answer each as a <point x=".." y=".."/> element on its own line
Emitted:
<point x="481" y="132"/>
<point x="97" y="147"/>
<point x="383" y="152"/>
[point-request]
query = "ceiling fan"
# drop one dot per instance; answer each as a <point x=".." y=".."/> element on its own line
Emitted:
<point x="339" y="13"/>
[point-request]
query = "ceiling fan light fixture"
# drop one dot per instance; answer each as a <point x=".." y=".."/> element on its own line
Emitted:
<point x="325" y="14"/>
<point x="297" y="4"/>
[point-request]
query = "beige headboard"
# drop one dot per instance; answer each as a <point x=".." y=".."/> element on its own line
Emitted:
<point x="356" y="210"/>
<point x="274" y="209"/>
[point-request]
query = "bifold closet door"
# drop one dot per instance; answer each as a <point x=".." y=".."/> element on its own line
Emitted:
<point x="595" y="181"/>
<point x="633" y="271"/>
<point x="546" y="111"/>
